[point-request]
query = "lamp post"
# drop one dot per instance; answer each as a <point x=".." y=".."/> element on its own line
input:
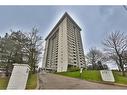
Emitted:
<point x="81" y="69"/>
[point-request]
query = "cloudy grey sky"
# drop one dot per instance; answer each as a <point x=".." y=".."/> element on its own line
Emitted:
<point x="96" y="21"/>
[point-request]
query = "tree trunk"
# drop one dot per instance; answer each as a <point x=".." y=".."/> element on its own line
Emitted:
<point x="123" y="73"/>
<point x="122" y="68"/>
<point x="118" y="65"/>
<point x="7" y="73"/>
<point x="121" y="65"/>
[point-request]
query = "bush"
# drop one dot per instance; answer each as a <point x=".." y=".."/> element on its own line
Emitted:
<point x="72" y="68"/>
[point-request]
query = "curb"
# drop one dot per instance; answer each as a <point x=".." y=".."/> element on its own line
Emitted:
<point x="120" y="84"/>
<point x="108" y="83"/>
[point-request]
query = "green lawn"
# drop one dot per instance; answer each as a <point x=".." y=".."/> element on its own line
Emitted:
<point x="119" y="78"/>
<point x="31" y="83"/>
<point x="3" y="83"/>
<point x="94" y="75"/>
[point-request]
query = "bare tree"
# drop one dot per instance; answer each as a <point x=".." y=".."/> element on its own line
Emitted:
<point x="116" y="45"/>
<point x="34" y="48"/>
<point x="94" y="56"/>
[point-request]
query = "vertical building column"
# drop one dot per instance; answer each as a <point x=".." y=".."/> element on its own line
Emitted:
<point x="62" y="47"/>
<point x="65" y="45"/>
<point x="45" y="54"/>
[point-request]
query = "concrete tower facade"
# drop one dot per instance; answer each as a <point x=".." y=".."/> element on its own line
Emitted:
<point x="64" y="46"/>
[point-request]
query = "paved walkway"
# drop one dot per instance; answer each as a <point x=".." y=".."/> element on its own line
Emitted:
<point x="53" y="81"/>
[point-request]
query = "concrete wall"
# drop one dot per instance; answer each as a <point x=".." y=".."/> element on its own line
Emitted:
<point x="62" y="47"/>
<point x="19" y="76"/>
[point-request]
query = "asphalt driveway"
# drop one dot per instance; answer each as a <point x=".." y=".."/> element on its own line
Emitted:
<point x="54" y="81"/>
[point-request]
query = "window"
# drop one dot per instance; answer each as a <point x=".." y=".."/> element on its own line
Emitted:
<point x="74" y="55"/>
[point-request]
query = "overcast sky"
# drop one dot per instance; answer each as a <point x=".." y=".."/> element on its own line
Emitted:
<point x="95" y="21"/>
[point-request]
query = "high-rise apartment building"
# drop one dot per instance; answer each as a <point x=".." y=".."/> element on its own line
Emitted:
<point x="64" y="46"/>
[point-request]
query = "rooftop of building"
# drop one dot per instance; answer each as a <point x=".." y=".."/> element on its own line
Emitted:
<point x="62" y="18"/>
